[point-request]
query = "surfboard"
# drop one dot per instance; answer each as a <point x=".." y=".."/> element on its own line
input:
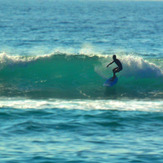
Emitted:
<point x="110" y="83"/>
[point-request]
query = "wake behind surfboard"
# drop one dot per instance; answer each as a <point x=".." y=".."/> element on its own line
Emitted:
<point x="110" y="83"/>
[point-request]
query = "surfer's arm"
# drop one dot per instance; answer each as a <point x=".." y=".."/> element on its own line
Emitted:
<point x="110" y="64"/>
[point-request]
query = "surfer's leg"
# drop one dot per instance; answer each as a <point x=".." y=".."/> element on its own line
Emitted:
<point x="114" y="76"/>
<point x="115" y="70"/>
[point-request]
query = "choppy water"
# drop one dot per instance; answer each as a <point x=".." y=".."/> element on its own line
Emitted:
<point x="53" y="105"/>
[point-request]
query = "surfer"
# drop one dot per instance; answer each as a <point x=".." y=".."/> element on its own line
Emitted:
<point x="117" y="69"/>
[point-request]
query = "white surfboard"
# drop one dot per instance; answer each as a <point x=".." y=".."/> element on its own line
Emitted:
<point x="110" y="83"/>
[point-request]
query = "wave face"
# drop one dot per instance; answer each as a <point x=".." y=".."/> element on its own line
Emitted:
<point x="78" y="76"/>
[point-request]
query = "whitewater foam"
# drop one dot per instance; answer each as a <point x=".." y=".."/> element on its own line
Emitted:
<point x="139" y="67"/>
<point x="121" y="105"/>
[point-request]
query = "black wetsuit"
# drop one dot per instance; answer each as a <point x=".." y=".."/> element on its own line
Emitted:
<point x="119" y="64"/>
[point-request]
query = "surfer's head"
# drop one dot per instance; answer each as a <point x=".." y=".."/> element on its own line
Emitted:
<point x="114" y="57"/>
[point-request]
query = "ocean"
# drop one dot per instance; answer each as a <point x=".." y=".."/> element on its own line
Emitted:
<point x="53" y="105"/>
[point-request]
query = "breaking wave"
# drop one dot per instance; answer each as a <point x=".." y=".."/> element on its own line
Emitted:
<point x="62" y="75"/>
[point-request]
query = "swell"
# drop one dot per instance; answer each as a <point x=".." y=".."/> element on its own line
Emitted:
<point x="78" y="76"/>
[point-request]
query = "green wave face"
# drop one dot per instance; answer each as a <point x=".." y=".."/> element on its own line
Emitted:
<point x="79" y="76"/>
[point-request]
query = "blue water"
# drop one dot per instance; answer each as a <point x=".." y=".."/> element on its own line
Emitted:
<point x="53" y="105"/>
